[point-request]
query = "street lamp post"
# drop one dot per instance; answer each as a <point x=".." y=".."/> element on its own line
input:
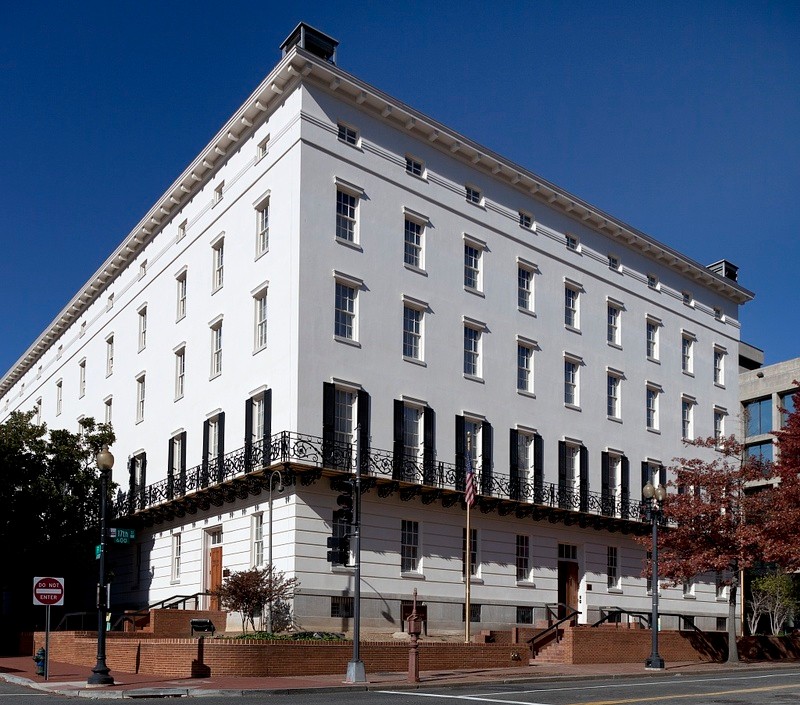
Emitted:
<point x="100" y="674"/>
<point x="280" y="488"/>
<point x="654" y="497"/>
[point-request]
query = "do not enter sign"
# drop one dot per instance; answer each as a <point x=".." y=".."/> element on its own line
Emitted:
<point x="48" y="591"/>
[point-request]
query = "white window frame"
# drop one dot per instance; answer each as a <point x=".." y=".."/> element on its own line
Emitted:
<point x="525" y="365"/>
<point x="572" y="243"/>
<point x="652" y="397"/>
<point x="180" y="294"/>
<point x="415" y="167"/>
<point x="687" y="417"/>
<point x="472" y="362"/>
<point x="348" y="202"/>
<point x="572" y="306"/>
<point x="652" y="346"/>
<point x="260" y="319"/>
<point x="614" y="580"/>
<point x="473" y="195"/>
<point x="414" y="228"/>
<point x="216" y="347"/>
<point x="345" y="318"/>
<point x="82" y="378"/>
<point x="347" y="134"/>
<point x="526" y="288"/>
<point x="473" y="264"/>
<point x="614" y="323"/>
<point x="257" y="557"/>
<point x="180" y="372"/>
<point x="718" y="362"/>
<point x="218" y="263"/>
<point x="719" y="422"/>
<point x="142" y="327"/>
<point x="141" y="388"/>
<point x="181" y="231"/>
<point x="525" y="220"/>
<point x="413" y="330"/>
<point x="687" y="353"/>
<point x="176" y="558"/>
<point x="218" y="193"/>
<point x="523" y="569"/>
<point x="652" y="282"/>
<point x="59" y="396"/>
<point x="262" y="149"/>
<point x="108" y="409"/>
<point x="262" y="226"/>
<point x="614" y="394"/>
<point x="410" y="553"/>
<point x="572" y="377"/>
<point x="110" y="355"/>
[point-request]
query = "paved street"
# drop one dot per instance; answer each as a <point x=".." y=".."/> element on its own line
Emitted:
<point x="765" y="686"/>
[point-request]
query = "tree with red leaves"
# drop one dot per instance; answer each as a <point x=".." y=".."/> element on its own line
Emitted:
<point x="727" y="512"/>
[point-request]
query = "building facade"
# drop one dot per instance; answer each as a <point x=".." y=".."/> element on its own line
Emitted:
<point x="338" y="279"/>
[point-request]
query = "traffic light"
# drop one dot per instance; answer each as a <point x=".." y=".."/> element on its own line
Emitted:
<point x="339" y="549"/>
<point x="345" y="503"/>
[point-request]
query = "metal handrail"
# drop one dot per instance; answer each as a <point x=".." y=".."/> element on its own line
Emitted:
<point x="315" y="452"/>
<point x="614" y="611"/>
<point x="553" y="627"/>
<point x="166" y="603"/>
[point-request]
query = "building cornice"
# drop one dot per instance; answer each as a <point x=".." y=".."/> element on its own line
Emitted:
<point x="298" y="65"/>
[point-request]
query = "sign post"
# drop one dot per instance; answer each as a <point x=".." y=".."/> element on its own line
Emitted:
<point x="48" y="592"/>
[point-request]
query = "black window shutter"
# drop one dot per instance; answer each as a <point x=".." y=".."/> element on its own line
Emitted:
<point x="487" y="437"/>
<point x="584" y="468"/>
<point x="538" y="469"/>
<point x="662" y="475"/>
<point x="605" y="483"/>
<point x="461" y="449"/>
<point x="204" y="464"/>
<point x="363" y="420"/>
<point x="328" y="422"/>
<point x="142" y="480"/>
<point x="626" y="485"/>
<point x="182" y="477"/>
<point x="646" y="476"/>
<point x="220" y="446"/>
<point x="562" y="474"/>
<point x="171" y="468"/>
<point x="267" y="435"/>
<point x="131" y="485"/>
<point x="513" y="464"/>
<point x="248" y="434"/>
<point x="397" y="448"/>
<point x="429" y="446"/>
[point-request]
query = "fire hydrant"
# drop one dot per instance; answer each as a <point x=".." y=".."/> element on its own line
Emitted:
<point x="39" y="660"/>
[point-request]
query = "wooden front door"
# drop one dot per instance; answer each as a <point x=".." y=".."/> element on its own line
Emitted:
<point x="567" y="587"/>
<point x="214" y="575"/>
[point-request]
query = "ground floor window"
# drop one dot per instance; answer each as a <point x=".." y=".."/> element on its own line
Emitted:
<point x="524" y="615"/>
<point x="341" y="606"/>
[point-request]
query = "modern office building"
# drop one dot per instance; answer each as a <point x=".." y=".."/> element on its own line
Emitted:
<point x="338" y="279"/>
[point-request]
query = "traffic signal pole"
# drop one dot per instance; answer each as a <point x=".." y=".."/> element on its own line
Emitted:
<point x="355" y="669"/>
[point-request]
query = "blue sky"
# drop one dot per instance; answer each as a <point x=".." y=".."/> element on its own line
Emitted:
<point x="681" y="118"/>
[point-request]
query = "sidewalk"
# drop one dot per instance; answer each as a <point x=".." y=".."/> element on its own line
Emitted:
<point x="68" y="679"/>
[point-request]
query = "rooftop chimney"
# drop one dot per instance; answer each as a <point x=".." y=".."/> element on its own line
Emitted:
<point x="313" y="41"/>
<point x="725" y="269"/>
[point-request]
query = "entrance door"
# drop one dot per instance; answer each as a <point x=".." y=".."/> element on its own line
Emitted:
<point x="567" y="588"/>
<point x="214" y="567"/>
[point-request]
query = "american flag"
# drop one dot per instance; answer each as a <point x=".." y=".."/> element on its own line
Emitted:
<point x="469" y="490"/>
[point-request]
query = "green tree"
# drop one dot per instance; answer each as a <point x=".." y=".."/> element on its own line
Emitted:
<point x="777" y="591"/>
<point x="50" y="495"/>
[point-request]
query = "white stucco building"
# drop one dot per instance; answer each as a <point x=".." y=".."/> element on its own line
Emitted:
<point x="337" y="267"/>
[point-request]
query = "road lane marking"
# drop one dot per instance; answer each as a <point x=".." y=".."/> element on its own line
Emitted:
<point x="656" y="698"/>
<point x="471" y="698"/>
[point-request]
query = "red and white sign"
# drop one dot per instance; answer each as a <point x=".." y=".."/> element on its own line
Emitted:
<point x="48" y="591"/>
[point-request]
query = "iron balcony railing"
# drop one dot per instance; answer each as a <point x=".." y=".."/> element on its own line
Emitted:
<point x="424" y="471"/>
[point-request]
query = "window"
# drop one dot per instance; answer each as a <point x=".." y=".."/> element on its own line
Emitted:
<point x="82" y="378"/>
<point x="412" y="438"/>
<point x="612" y="387"/>
<point x="758" y="416"/>
<point x="472" y="267"/>
<point x="262" y="228"/>
<point x="720" y="590"/>
<point x="346" y="204"/>
<point x="525" y="220"/>
<point x="474" y="612"/>
<point x="719" y="366"/>
<point x="110" y="302"/>
<point x="573" y="467"/>
<point x="717" y="313"/>
<point x="140" y="390"/>
<point x="412" y="332"/>
<point x="218" y="264"/>
<point x="652" y="281"/>
<point x="612" y="568"/>
<point x="523" y="558"/>
<point x="409" y="546"/>
<point x="59" y="396"/>
<point x="216" y="349"/>
<point x="525" y="457"/>
<point x="263" y="148"/>
<point x="524" y="614"/>
<point x="762" y="452"/>
<point x="571" y="311"/>
<point x="180" y="372"/>
<point x="37" y="412"/>
<point x="687" y="362"/>
<point x="342" y="607"/>
<point x="652" y="408"/>
<point x="613" y="263"/>
<point x="572" y="243"/>
<point x="142" y="269"/>
<point x="412" y="245"/>
<point x="687" y="418"/>
<point x="473" y="551"/>
<point x="688" y="587"/>
<point x="722" y="624"/>
<point x="182" y="230"/>
<point x="217" y="196"/>
<point x="472" y="430"/>
<point x="82" y="330"/>
<point x="612" y="327"/>
<point x="571" y="382"/>
<point x="786" y="403"/>
<point x="258" y="429"/>
<point x="687" y="298"/>
<point x="415" y="167"/>
<point x="472" y="351"/>
<point x="345" y="312"/>
<point x="180" y="282"/>
<point x="260" y="320"/>
<point x="524" y="288"/>
<point x="344" y="403"/>
<point x="348" y="135"/>
<point x="257" y="552"/>
<point x="176" y="557"/>
<point x="213" y="439"/>
<point x="142" y="328"/>
<point x="567" y="552"/>
<point x="524" y="368"/>
<point x="473" y="195"/>
<point x="341" y="529"/>
<point x="652" y="339"/>
<point x="719" y="424"/>
<point x="59" y="352"/>
<point x="108" y="406"/>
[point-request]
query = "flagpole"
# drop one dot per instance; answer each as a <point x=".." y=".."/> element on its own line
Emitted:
<point x="468" y="556"/>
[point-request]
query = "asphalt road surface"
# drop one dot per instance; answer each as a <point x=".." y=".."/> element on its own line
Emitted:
<point x="778" y="687"/>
